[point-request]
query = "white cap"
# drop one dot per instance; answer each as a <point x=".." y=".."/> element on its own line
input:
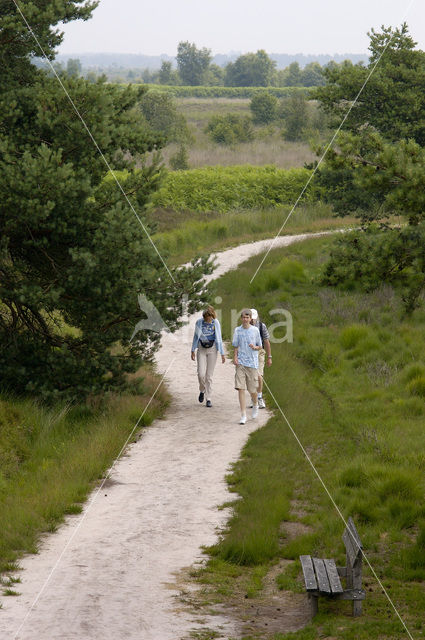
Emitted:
<point x="254" y="314"/>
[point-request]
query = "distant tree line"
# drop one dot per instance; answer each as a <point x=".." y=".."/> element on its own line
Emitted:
<point x="195" y="67"/>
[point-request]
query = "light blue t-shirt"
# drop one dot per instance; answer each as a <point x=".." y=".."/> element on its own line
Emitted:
<point x="242" y="338"/>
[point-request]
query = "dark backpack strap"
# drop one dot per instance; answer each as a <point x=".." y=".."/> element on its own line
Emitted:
<point x="261" y="332"/>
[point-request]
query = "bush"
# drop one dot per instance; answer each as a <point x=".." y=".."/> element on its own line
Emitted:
<point x="264" y="107"/>
<point x="161" y="115"/>
<point x="180" y="160"/>
<point x="293" y="111"/>
<point x="230" y="128"/>
<point x="291" y="271"/>
<point x="353" y="477"/>
<point x="351" y="336"/>
<point x="417" y="386"/>
<point x="400" y="484"/>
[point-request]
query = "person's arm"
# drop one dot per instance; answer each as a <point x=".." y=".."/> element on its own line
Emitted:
<point x="219" y="340"/>
<point x="235" y="343"/>
<point x="268" y="351"/>
<point x="195" y="340"/>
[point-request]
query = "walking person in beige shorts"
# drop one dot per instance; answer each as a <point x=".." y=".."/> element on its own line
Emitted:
<point x="247" y="343"/>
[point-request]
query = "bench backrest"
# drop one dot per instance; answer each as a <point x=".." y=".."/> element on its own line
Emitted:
<point x="353" y="544"/>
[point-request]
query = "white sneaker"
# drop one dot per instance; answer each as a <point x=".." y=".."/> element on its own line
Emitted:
<point x="261" y="403"/>
<point x="242" y="420"/>
<point x="255" y="411"/>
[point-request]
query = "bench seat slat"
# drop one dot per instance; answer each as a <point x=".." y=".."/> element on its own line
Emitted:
<point x="322" y="576"/>
<point x="334" y="581"/>
<point x="308" y="571"/>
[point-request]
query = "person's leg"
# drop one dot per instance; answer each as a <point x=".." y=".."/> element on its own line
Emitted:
<point x="201" y="359"/>
<point x="211" y="357"/>
<point x="240" y="386"/>
<point x="260" y="385"/>
<point x="242" y="401"/>
<point x="252" y="386"/>
<point x="261" y="361"/>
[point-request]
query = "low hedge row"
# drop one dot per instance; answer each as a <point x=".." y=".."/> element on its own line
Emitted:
<point x="226" y="92"/>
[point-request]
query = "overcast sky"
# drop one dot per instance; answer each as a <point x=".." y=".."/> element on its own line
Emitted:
<point x="278" y="26"/>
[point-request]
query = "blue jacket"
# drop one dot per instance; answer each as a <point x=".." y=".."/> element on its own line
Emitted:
<point x="198" y="335"/>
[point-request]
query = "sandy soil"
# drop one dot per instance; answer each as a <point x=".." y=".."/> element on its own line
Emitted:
<point x="109" y="573"/>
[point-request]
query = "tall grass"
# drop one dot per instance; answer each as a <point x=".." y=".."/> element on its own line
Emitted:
<point x="50" y="458"/>
<point x="269" y="147"/>
<point x="362" y="430"/>
<point x="270" y="150"/>
<point x="185" y="235"/>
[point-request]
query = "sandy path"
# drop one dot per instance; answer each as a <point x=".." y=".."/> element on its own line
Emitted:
<point x="115" y="579"/>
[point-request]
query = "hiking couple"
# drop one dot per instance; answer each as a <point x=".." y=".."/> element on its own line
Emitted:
<point x="252" y="343"/>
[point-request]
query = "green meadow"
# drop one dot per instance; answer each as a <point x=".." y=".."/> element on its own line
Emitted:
<point x="268" y="146"/>
<point x="352" y="387"/>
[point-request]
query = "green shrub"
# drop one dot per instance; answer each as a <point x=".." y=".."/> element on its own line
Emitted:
<point x="180" y="160"/>
<point x="400" y="485"/>
<point x="230" y="128"/>
<point x="352" y="335"/>
<point x="160" y="112"/>
<point x="353" y="477"/>
<point x="413" y="371"/>
<point x="272" y="282"/>
<point x="294" y="113"/>
<point x="291" y="271"/>
<point x="263" y="107"/>
<point x="404" y="513"/>
<point x="417" y="387"/>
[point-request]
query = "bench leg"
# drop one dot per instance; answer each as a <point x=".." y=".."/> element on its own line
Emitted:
<point x="357" y="608"/>
<point x="314" y="604"/>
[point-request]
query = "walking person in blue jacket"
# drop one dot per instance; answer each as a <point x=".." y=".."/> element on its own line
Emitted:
<point x="207" y="343"/>
<point x="247" y="343"/>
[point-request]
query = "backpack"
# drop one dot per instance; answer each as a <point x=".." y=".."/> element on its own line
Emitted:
<point x="260" y="328"/>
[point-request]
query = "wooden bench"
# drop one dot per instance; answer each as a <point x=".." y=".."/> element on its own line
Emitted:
<point x="322" y="577"/>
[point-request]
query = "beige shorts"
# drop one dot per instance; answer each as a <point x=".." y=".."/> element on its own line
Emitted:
<point x="246" y="378"/>
<point x="261" y="360"/>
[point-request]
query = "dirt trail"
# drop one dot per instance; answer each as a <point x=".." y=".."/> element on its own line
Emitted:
<point x="111" y="575"/>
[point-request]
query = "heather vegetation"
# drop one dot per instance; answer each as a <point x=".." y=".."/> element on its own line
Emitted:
<point x="238" y="145"/>
<point x="351" y="386"/>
